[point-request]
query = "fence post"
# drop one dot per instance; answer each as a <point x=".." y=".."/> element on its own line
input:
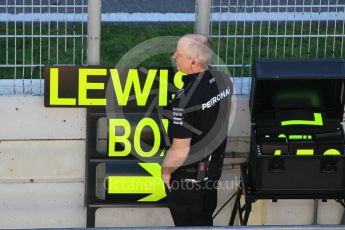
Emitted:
<point x="93" y="32"/>
<point x="202" y="17"/>
<point x="93" y="58"/>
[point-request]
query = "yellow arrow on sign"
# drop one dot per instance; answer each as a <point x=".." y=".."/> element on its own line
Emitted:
<point x="140" y="184"/>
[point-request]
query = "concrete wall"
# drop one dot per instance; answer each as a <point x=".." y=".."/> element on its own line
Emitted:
<point x="42" y="161"/>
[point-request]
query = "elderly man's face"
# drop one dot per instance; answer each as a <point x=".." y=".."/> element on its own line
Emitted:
<point x="183" y="62"/>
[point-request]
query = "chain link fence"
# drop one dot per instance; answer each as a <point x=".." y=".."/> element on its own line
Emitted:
<point x="242" y="30"/>
<point x="34" y="33"/>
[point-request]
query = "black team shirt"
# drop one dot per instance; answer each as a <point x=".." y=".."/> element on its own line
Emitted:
<point x="200" y="111"/>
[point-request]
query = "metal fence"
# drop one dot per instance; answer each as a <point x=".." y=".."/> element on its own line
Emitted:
<point x="242" y="30"/>
<point x="34" y="33"/>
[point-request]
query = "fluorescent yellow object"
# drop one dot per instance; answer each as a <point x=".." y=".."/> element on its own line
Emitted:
<point x="283" y="136"/>
<point x="141" y="95"/>
<point x="152" y="185"/>
<point x="317" y="121"/>
<point x="278" y="152"/>
<point x="178" y="81"/>
<point x="166" y="125"/>
<point x="54" y="90"/>
<point x="295" y="137"/>
<point x="118" y="136"/>
<point x="163" y="87"/>
<point x="113" y="138"/>
<point x="156" y="140"/>
<point x="307" y="137"/>
<point x="84" y="86"/>
<point x="331" y="152"/>
<point x="305" y="152"/>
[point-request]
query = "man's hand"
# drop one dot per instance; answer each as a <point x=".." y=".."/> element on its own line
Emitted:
<point x="175" y="157"/>
<point x="166" y="179"/>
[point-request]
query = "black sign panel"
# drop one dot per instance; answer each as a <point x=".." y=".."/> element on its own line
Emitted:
<point x="89" y="87"/>
<point x="127" y="126"/>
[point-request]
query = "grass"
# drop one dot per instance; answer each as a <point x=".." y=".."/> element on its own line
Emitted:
<point x="241" y="51"/>
<point x="118" y="39"/>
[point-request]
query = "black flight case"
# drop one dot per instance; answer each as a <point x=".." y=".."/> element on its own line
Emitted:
<point x="297" y="139"/>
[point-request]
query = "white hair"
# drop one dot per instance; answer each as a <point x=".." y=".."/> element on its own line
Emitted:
<point x="199" y="47"/>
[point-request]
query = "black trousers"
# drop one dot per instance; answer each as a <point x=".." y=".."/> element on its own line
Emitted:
<point x="192" y="204"/>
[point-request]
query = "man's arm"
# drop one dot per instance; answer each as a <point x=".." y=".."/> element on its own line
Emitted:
<point x="175" y="157"/>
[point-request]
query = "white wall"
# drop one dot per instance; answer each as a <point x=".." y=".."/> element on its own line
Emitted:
<point x="42" y="157"/>
<point x="42" y="163"/>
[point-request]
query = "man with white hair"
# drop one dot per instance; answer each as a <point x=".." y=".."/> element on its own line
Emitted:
<point x="200" y="115"/>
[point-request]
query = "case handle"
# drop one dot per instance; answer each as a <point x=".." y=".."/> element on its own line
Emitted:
<point x="328" y="165"/>
<point x="276" y="166"/>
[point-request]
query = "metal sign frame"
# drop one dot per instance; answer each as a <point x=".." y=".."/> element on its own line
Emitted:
<point x="62" y="87"/>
